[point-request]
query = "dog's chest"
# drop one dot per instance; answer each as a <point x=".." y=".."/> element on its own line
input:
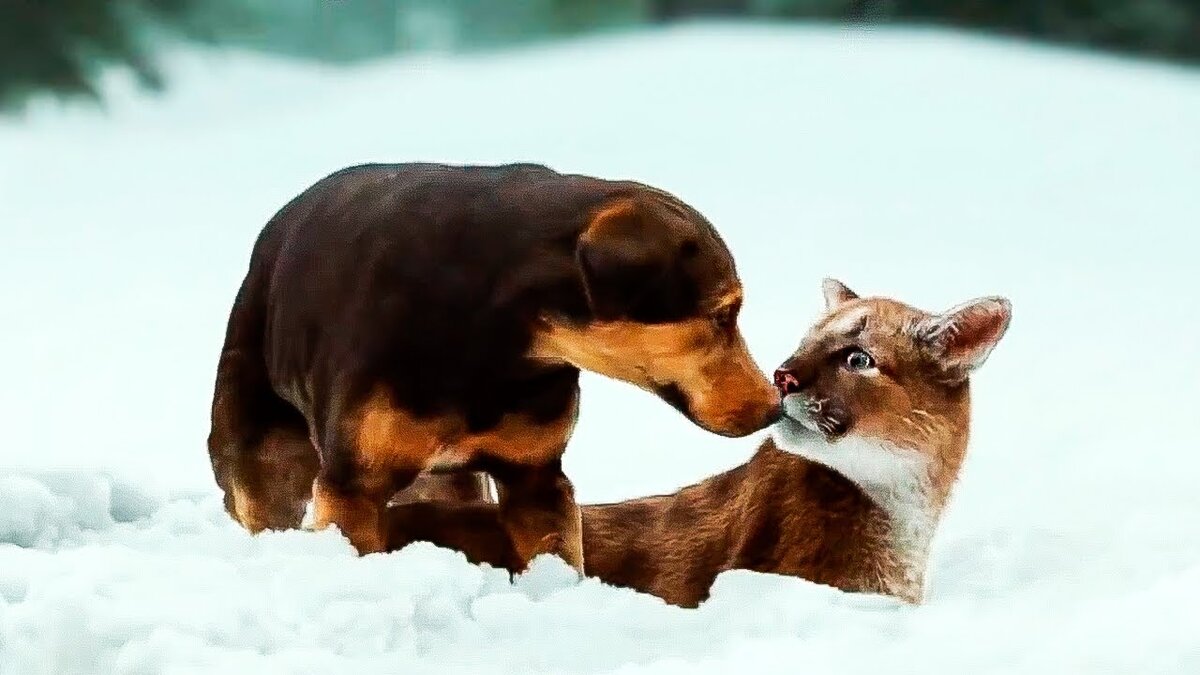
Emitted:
<point x="388" y="437"/>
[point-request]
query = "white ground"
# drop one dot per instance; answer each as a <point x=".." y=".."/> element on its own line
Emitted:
<point x="927" y="166"/>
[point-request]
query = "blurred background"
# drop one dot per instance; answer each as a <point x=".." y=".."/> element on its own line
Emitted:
<point x="59" y="46"/>
<point x="932" y="150"/>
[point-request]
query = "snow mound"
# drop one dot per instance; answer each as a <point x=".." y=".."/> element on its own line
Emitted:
<point x="181" y="589"/>
<point x="46" y="510"/>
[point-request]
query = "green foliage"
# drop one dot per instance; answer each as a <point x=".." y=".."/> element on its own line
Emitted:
<point x="348" y="30"/>
<point x="61" y="45"/>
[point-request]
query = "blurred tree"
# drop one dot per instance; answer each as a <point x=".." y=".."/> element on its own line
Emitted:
<point x="667" y="10"/>
<point x="578" y="16"/>
<point x="61" y="46"/>
<point x="1168" y="28"/>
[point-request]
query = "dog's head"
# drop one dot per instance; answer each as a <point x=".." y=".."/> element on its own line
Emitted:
<point x="664" y="297"/>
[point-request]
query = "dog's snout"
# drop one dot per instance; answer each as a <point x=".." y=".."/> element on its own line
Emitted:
<point x="786" y="382"/>
<point x="774" y="413"/>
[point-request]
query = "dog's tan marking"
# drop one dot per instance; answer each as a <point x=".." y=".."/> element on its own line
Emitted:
<point x="711" y="365"/>
<point x="247" y="511"/>
<point x="359" y="518"/>
<point x="388" y="437"/>
<point x="521" y="440"/>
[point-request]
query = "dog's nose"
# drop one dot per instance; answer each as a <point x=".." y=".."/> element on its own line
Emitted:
<point x="786" y="382"/>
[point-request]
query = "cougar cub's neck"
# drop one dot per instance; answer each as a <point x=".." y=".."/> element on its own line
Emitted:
<point x="856" y="526"/>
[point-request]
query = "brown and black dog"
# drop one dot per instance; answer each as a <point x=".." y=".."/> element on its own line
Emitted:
<point x="408" y="318"/>
<point x="846" y="492"/>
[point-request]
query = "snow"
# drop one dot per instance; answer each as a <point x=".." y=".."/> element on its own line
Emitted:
<point x="925" y="165"/>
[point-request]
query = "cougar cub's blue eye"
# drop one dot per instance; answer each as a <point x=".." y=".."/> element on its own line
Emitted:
<point x="859" y="360"/>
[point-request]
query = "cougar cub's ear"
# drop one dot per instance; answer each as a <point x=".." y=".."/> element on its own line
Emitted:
<point x="624" y="259"/>
<point x="836" y="293"/>
<point x="961" y="339"/>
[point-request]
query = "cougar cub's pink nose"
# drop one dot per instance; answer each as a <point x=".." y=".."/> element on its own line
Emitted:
<point x="786" y="383"/>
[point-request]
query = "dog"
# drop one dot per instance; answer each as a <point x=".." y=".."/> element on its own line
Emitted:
<point x="400" y="319"/>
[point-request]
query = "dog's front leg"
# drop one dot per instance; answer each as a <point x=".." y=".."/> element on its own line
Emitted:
<point x="356" y="511"/>
<point x="369" y="452"/>
<point x="523" y="454"/>
<point x="538" y="510"/>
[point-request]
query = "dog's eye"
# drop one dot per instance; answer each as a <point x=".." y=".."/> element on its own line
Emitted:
<point x="726" y="318"/>
<point x="859" y="360"/>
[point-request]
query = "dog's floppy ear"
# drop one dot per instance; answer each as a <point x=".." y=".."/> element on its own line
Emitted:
<point x="623" y="257"/>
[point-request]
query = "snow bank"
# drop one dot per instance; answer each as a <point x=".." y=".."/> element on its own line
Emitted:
<point x="182" y="590"/>
<point x="924" y="165"/>
<point x="49" y="510"/>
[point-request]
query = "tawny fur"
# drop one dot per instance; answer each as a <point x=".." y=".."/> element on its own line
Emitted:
<point x="779" y="513"/>
<point x="847" y="491"/>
